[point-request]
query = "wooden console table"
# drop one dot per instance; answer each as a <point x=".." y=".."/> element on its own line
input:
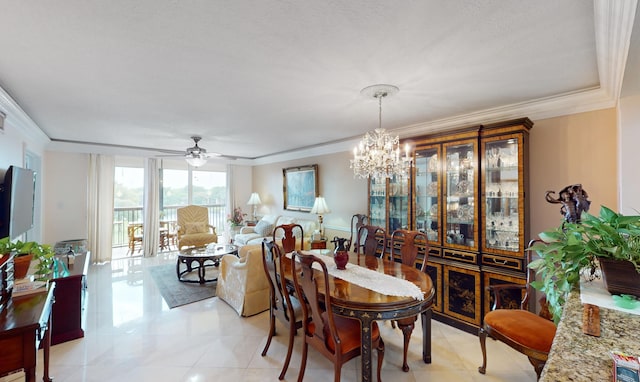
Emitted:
<point x="69" y="295"/>
<point x="24" y="325"/>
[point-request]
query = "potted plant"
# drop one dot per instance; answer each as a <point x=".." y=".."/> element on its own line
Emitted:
<point x="24" y="253"/>
<point x="566" y="252"/>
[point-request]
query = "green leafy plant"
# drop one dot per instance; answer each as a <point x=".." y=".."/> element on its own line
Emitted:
<point x="573" y="249"/>
<point x="41" y="252"/>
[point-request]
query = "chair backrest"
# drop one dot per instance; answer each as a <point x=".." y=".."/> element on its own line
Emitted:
<point x="357" y="221"/>
<point x="371" y="240"/>
<point x="289" y="234"/>
<point x="307" y="283"/>
<point x="273" y="267"/>
<point x="529" y="292"/>
<point x="135" y="232"/>
<point x="410" y="244"/>
<point x="192" y="214"/>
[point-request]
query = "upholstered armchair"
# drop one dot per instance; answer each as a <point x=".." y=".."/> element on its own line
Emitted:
<point x="194" y="229"/>
<point x="242" y="282"/>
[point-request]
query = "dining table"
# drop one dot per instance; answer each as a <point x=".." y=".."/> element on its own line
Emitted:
<point x="353" y="300"/>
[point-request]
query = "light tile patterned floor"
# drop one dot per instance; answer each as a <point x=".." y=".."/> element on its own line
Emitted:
<point x="131" y="335"/>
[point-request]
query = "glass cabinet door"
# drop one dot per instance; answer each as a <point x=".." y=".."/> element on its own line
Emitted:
<point x="427" y="192"/>
<point x="503" y="215"/>
<point x="377" y="202"/>
<point x="398" y="203"/>
<point x="460" y="195"/>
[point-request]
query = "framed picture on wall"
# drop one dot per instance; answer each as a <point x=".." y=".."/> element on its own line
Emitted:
<point x="300" y="187"/>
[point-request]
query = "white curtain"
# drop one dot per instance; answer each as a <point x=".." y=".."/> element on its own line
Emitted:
<point x="231" y="198"/>
<point x="231" y="202"/>
<point x="151" y="208"/>
<point x="101" y="174"/>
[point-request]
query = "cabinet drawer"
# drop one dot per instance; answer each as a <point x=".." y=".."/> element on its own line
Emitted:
<point x="467" y="257"/>
<point x="503" y="262"/>
<point x="435" y="252"/>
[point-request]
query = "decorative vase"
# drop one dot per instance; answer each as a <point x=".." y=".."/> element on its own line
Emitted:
<point x="340" y="254"/>
<point x="620" y="277"/>
<point x="21" y="266"/>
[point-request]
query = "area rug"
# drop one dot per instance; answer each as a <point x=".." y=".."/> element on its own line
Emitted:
<point x="176" y="293"/>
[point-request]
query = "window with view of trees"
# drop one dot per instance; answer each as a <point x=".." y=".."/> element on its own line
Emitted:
<point x="178" y="188"/>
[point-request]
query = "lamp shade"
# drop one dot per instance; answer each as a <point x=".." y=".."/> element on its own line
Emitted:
<point x="254" y="199"/>
<point x="320" y="206"/>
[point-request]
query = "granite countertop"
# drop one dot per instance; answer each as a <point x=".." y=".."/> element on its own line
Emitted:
<point x="577" y="357"/>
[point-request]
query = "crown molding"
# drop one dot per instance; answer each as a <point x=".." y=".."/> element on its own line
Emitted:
<point x="18" y="119"/>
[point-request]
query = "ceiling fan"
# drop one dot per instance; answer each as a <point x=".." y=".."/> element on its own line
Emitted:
<point x="197" y="156"/>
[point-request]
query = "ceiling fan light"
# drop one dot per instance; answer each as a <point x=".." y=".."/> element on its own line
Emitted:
<point x="196" y="160"/>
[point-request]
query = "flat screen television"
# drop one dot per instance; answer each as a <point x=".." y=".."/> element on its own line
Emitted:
<point x="17" y="202"/>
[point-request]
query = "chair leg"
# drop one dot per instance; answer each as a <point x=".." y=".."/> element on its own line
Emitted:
<point x="292" y="332"/>
<point x="537" y="365"/>
<point x="406" y="325"/>
<point x="337" y="368"/>
<point x="303" y="362"/>
<point x="482" y="335"/>
<point x="272" y="332"/>
<point x="406" y="333"/>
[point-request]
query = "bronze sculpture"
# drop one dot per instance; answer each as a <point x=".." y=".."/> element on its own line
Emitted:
<point x="574" y="202"/>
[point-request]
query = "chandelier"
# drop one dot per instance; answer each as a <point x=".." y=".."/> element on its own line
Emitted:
<point x="378" y="154"/>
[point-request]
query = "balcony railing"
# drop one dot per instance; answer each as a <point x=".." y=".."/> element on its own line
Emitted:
<point x="122" y="217"/>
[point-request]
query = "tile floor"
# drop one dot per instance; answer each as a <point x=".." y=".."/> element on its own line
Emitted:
<point x="131" y="335"/>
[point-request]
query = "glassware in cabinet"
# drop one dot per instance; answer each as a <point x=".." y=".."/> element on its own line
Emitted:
<point x="427" y="192"/>
<point x="460" y="187"/>
<point x="503" y="195"/>
<point x="398" y="203"/>
<point x="377" y="202"/>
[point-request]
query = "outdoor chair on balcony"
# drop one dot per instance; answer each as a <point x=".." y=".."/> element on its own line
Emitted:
<point x="134" y="232"/>
<point x="194" y="229"/>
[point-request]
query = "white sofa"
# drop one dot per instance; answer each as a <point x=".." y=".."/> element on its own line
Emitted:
<point x="264" y="229"/>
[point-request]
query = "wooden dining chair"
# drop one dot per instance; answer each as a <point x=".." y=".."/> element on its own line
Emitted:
<point x="283" y="306"/>
<point x="289" y="233"/>
<point x="528" y="333"/>
<point x="371" y="240"/>
<point x="409" y="244"/>
<point x="335" y="337"/>
<point x="357" y="221"/>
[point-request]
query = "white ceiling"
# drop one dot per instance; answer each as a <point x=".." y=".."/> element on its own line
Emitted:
<point x="260" y="78"/>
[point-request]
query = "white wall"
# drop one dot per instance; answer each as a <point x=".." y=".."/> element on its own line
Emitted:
<point x="65" y="196"/>
<point x="629" y="155"/>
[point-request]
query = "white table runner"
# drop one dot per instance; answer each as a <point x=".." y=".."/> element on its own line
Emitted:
<point x="375" y="281"/>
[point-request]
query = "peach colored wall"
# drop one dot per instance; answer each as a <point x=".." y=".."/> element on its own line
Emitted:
<point x="578" y="148"/>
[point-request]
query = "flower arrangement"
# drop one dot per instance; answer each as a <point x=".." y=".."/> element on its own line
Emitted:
<point x="237" y="217"/>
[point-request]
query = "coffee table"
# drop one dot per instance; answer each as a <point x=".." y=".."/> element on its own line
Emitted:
<point x="203" y="257"/>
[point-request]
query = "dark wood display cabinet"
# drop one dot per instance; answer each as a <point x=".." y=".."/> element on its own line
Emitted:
<point x="69" y="296"/>
<point x="468" y="193"/>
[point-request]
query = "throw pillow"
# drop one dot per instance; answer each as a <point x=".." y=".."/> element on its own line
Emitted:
<point x="263" y="228"/>
<point x="191" y="228"/>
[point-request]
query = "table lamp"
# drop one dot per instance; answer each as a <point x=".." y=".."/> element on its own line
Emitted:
<point x="254" y="201"/>
<point x="320" y="207"/>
